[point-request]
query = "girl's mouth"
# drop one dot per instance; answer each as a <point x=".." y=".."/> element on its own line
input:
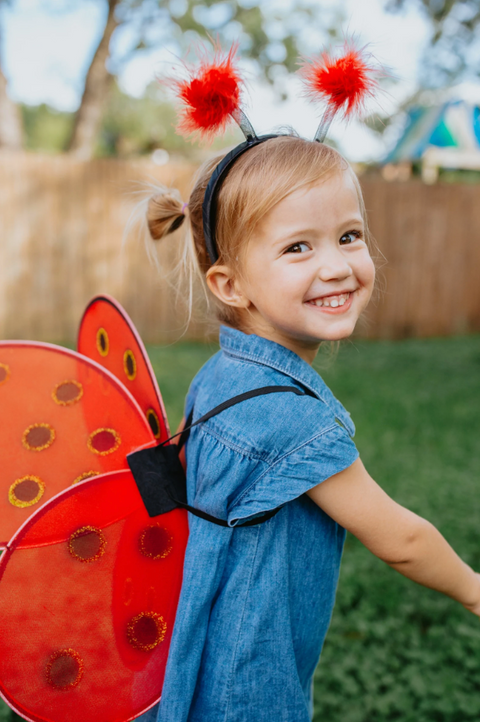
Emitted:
<point x="333" y="304"/>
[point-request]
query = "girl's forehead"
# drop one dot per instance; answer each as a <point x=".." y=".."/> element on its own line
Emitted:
<point x="332" y="197"/>
<point x="335" y="183"/>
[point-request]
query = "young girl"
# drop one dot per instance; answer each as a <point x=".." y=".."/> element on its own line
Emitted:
<point x="292" y="269"/>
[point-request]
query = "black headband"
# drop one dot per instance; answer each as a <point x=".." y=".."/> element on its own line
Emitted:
<point x="209" y="208"/>
<point x="343" y="83"/>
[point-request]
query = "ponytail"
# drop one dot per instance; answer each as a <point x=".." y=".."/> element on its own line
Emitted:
<point x="165" y="213"/>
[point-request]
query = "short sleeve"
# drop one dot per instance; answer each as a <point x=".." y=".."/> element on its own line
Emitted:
<point x="329" y="452"/>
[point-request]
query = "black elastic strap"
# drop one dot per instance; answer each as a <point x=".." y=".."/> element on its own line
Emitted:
<point x="222" y="522"/>
<point x="160" y="477"/>
<point x="185" y="433"/>
<point x="232" y="402"/>
<point x="209" y="208"/>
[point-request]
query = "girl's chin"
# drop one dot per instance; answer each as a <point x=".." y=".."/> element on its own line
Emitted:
<point x="333" y="332"/>
<point x="314" y="336"/>
<point x="308" y="332"/>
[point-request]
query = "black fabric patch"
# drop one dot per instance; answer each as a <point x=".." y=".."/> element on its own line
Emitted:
<point x="160" y="478"/>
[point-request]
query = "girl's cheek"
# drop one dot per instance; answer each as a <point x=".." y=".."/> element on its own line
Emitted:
<point x="372" y="271"/>
<point x="367" y="271"/>
<point x="369" y="283"/>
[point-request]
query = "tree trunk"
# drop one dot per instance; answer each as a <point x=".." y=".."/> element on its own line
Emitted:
<point x="97" y="84"/>
<point x="11" y="132"/>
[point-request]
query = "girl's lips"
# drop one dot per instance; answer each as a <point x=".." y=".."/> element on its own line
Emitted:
<point x="333" y="310"/>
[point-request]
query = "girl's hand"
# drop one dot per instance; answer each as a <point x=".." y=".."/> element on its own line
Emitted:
<point x="475" y="606"/>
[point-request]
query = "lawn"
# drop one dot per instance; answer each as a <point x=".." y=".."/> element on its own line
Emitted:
<point x="395" y="651"/>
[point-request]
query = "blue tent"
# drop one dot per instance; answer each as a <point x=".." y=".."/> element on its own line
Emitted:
<point x="453" y="126"/>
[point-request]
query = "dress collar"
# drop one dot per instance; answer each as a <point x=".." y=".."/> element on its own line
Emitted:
<point x="263" y="351"/>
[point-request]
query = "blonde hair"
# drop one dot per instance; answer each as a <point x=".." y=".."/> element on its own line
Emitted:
<point x="259" y="179"/>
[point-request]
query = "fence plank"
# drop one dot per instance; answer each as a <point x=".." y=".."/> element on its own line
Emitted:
<point x="62" y="223"/>
<point x="430" y="236"/>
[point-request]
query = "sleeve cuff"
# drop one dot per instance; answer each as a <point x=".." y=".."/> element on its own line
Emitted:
<point x="292" y="475"/>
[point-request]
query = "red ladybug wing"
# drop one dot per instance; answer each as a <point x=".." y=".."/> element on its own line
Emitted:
<point x="63" y="418"/>
<point x="88" y="594"/>
<point x="107" y="335"/>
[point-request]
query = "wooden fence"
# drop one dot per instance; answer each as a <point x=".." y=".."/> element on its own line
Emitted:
<point x="62" y="225"/>
<point x="429" y="279"/>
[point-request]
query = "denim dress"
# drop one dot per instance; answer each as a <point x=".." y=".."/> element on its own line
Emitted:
<point x="256" y="601"/>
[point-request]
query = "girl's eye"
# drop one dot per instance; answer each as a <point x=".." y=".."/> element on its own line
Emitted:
<point x="298" y="248"/>
<point x="350" y="237"/>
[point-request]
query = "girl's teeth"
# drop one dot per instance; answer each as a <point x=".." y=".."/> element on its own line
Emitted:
<point x="332" y="301"/>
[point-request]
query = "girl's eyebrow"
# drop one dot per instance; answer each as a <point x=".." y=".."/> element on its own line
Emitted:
<point x="354" y="220"/>
<point x="307" y="231"/>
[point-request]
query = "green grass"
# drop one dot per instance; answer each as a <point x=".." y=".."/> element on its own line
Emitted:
<point x="175" y="366"/>
<point x="395" y="651"/>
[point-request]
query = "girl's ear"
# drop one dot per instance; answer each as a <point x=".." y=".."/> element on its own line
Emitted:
<point x="222" y="283"/>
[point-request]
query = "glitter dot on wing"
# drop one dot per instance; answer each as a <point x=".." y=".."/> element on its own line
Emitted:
<point x="4" y="373"/>
<point x="129" y="365"/>
<point x="38" y="437"/>
<point x="104" y="441"/>
<point x="84" y="476"/>
<point x="146" y="631"/>
<point x="87" y="544"/>
<point x="154" y="423"/>
<point x="26" y="491"/>
<point x="67" y="393"/>
<point x="103" y="343"/>
<point x="64" y="670"/>
<point x="155" y="542"/>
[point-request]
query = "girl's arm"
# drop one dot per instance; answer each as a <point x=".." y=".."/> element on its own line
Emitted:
<point x="405" y="541"/>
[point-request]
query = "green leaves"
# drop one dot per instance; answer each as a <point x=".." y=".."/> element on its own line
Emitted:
<point x="269" y="33"/>
<point x="454" y="29"/>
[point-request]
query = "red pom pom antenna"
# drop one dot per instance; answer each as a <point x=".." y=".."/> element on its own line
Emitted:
<point x="211" y="95"/>
<point x="344" y="83"/>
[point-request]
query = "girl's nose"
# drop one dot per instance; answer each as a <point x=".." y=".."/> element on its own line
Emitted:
<point x="333" y="266"/>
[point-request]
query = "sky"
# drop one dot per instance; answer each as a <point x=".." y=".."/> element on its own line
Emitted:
<point x="45" y="57"/>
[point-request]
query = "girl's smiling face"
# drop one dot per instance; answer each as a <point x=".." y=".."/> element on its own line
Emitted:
<point x="306" y="274"/>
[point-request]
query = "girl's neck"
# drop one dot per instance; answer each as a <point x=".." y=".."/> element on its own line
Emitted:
<point x="306" y="350"/>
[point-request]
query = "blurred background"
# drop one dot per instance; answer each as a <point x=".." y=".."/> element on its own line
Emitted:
<point x="84" y="123"/>
<point x="85" y="126"/>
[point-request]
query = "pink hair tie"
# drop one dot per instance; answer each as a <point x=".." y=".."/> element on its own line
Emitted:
<point x="184" y="207"/>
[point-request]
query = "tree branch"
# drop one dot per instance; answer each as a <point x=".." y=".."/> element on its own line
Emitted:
<point x="97" y="83"/>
